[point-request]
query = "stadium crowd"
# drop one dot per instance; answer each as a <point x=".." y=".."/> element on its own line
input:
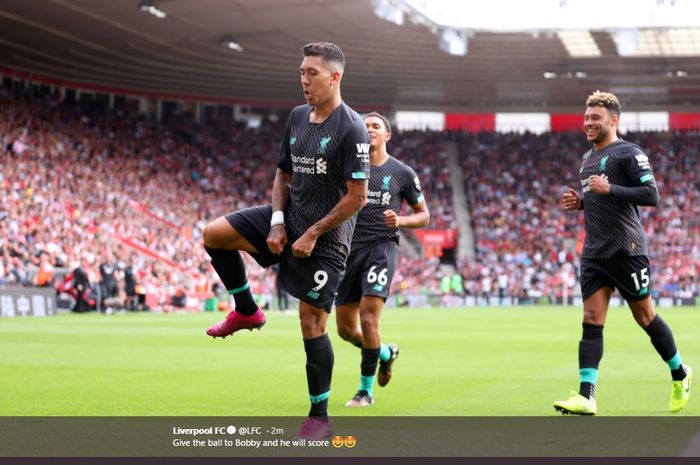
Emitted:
<point x="81" y="183"/>
<point x="123" y="197"/>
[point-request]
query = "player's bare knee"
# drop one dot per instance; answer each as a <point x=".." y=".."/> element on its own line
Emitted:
<point x="345" y="333"/>
<point x="312" y="329"/>
<point x="642" y="320"/>
<point x="219" y="234"/>
<point x="349" y="330"/>
<point x="593" y="316"/>
<point x="312" y="324"/>
<point x="644" y="317"/>
<point x="369" y="322"/>
<point x="212" y="235"/>
<point x="643" y="311"/>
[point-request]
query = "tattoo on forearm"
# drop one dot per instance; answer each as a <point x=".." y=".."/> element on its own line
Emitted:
<point x="326" y="223"/>
<point x="280" y="192"/>
<point x="335" y="217"/>
<point x="361" y="201"/>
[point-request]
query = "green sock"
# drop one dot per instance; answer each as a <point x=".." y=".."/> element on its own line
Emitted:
<point x="366" y="384"/>
<point x="384" y="353"/>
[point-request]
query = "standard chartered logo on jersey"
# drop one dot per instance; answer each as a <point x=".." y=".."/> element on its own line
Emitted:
<point x="386" y="198"/>
<point x="378" y="197"/>
<point x="309" y="165"/>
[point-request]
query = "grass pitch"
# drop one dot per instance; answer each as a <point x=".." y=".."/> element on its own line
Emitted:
<point x="453" y="362"/>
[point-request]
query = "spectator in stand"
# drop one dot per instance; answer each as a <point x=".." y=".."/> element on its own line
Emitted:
<point x="44" y="274"/>
<point x="17" y="274"/>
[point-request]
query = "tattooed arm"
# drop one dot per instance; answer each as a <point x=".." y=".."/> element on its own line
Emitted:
<point x="351" y="203"/>
<point x="277" y="237"/>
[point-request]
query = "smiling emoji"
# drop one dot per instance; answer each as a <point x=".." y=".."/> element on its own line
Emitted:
<point x="350" y="442"/>
<point x="337" y="442"/>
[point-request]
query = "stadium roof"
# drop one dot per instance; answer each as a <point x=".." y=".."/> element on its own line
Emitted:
<point x="558" y="14"/>
<point x="117" y="44"/>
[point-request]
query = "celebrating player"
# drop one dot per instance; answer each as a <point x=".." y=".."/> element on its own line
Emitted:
<point x="373" y="256"/>
<point x="321" y="183"/>
<point x="616" y="178"/>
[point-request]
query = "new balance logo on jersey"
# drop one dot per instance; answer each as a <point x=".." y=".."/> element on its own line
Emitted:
<point x="378" y="287"/>
<point x="323" y="144"/>
<point x="321" y="166"/>
<point x="292" y="140"/>
<point x="313" y="294"/>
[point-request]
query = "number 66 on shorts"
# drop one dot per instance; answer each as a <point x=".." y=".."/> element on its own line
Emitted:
<point x="369" y="272"/>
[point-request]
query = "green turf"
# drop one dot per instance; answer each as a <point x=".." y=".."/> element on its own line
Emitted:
<point x="485" y="361"/>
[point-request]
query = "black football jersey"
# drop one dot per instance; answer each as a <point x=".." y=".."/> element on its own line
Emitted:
<point x="389" y="185"/>
<point x="321" y="157"/>
<point x="613" y="225"/>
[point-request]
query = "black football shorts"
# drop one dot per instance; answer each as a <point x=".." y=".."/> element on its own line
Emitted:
<point x="313" y="280"/>
<point x="629" y="275"/>
<point x="369" y="272"/>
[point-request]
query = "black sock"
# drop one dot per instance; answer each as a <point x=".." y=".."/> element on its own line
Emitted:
<point x="590" y="352"/>
<point x="319" y="370"/>
<point x="370" y="359"/>
<point x="587" y="390"/>
<point x="229" y="266"/>
<point x="661" y="338"/>
<point x="678" y="374"/>
<point x="319" y="409"/>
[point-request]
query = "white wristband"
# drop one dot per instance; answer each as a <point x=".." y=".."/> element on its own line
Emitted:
<point x="277" y="218"/>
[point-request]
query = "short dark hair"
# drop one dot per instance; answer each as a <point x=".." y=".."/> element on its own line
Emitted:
<point x="385" y="120"/>
<point x="328" y="51"/>
<point x="606" y="100"/>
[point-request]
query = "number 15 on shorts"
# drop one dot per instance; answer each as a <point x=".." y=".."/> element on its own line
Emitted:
<point x="642" y="281"/>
